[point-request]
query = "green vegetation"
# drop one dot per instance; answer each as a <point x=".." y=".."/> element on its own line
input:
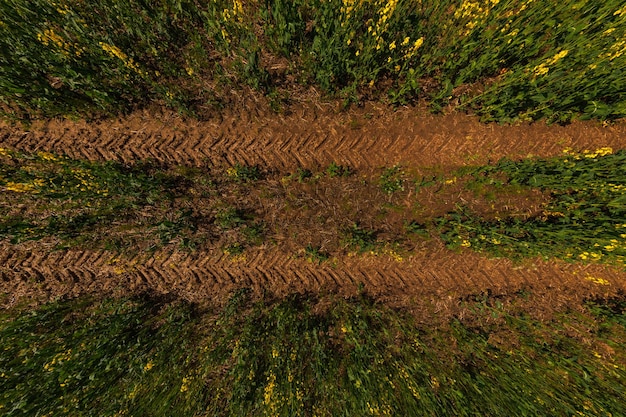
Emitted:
<point x="244" y="173"/>
<point x="75" y="199"/>
<point x="334" y="170"/>
<point x="584" y="219"/>
<point x="359" y="239"/>
<point x="315" y="255"/>
<point x="391" y="180"/>
<point x="352" y="357"/>
<point x="581" y="217"/>
<point x="503" y="59"/>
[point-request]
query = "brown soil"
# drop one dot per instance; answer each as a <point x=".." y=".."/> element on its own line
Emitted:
<point x="435" y="278"/>
<point x="311" y="136"/>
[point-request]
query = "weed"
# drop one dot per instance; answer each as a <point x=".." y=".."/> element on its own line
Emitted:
<point x="168" y="230"/>
<point x="244" y="173"/>
<point x="234" y="250"/>
<point x="360" y="239"/>
<point x="254" y="232"/>
<point x="315" y="255"/>
<point x="301" y="175"/>
<point x="230" y="218"/>
<point x="416" y="228"/>
<point x="333" y="170"/>
<point x="391" y="180"/>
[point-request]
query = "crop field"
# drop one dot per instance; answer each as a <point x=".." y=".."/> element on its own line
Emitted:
<point x="312" y="208"/>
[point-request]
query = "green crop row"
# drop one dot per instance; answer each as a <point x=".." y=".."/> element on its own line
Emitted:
<point x="503" y="59"/>
<point x="150" y="357"/>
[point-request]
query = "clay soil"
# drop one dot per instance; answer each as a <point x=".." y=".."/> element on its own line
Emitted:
<point x="430" y="278"/>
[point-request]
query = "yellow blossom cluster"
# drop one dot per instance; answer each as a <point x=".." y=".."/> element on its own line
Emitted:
<point x="50" y="38"/>
<point x="377" y="410"/>
<point x="598" y="152"/>
<point x="620" y="12"/>
<point x="617" y="188"/>
<point x="184" y="386"/>
<point x="393" y="254"/>
<point x="47" y="156"/>
<point x="385" y="11"/>
<point x="475" y="11"/>
<point x="410" y="383"/>
<point x="58" y="359"/>
<point x="347" y="8"/>
<point x="114" y="51"/>
<point x="234" y="13"/>
<point x="410" y="53"/>
<point x="148" y="366"/>
<point x="616" y="50"/>
<point x="544" y="67"/>
<point x="269" y="398"/>
<point x="19" y="187"/>
<point x="88" y="182"/>
<point x="588" y="153"/>
<point x="599" y="281"/>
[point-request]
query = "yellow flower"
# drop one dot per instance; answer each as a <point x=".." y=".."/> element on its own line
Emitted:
<point x="19" y="187"/>
<point x="114" y="51"/>
<point x="189" y="70"/>
<point x="46" y="156"/>
<point x="540" y="70"/>
<point x="466" y="243"/>
<point x="185" y="384"/>
<point x="392" y="46"/>
<point x="599" y="281"/>
<point x="405" y="41"/>
<point x="148" y="366"/>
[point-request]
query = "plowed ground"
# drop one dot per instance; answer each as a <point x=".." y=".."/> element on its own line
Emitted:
<point x="433" y="279"/>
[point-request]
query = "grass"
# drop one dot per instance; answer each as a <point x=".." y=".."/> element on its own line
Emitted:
<point x="146" y="356"/>
<point x="554" y="60"/>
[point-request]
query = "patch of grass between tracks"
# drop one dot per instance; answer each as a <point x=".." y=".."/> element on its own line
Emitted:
<point x="578" y="216"/>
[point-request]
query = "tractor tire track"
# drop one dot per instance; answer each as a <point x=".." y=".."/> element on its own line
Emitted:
<point x="309" y="136"/>
<point x="30" y="272"/>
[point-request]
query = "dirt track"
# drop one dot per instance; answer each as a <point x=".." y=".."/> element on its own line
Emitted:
<point x="310" y="136"/>
<point x="438" y="277"/>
